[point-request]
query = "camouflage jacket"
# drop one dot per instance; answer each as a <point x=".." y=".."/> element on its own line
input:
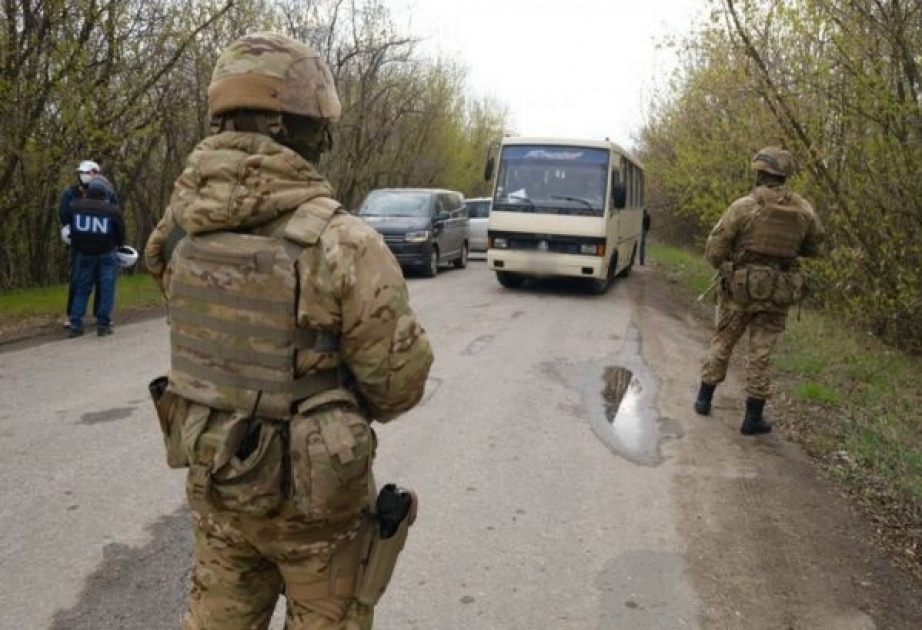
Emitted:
<point x="351" y="286"/>
<point x="723" y="243"/>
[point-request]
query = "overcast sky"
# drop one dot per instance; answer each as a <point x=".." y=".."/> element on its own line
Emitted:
<point x="579" y="68"/>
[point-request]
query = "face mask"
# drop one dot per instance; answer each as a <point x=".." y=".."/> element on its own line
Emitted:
<point x="85" y="178"/>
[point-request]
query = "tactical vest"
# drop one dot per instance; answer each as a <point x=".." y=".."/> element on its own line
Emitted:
<point x="233" y="317"/>
<point x="777" y="228"/>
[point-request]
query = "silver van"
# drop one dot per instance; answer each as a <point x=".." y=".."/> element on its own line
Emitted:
<point x="423" y="227"/>
<point x="478" y="214"/>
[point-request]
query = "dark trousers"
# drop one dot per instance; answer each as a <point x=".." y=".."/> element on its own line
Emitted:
<point x="100" y="270"/>
<point x="70" y="289"/>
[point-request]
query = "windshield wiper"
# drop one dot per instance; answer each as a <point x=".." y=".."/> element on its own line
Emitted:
<point x="531" y="204"/>
<point x="577" y="200"/>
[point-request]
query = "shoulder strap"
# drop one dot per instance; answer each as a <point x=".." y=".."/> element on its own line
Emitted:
<point x="304" y="227"/>
<point x="172" y="240"/>
<point x="309" y="221"/>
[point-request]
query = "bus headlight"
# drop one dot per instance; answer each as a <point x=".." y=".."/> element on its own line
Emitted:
<point x="416" y="237"/>
<point x="592" y="250"/>
<point x="499" y="243"/>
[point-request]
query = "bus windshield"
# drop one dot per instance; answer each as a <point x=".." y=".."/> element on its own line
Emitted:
<point x="551" y="179"/>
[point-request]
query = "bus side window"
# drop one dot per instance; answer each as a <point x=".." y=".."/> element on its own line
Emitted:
<point x="618" y="191"/>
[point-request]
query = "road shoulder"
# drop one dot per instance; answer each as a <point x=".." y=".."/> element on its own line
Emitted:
<point x="772" y="543"/>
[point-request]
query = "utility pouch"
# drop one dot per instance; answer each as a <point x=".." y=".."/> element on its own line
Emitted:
<point x="332" y="448"/>
<point x="251" y="480"/>
<point x="166" y="404"/>
<point x="395" y="512"/>
<point x="760" y="282"/>
<point x="790" y="288"/>
<point x="739" y="289"/>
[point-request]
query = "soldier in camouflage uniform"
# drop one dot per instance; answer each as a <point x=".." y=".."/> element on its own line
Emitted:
<point x="291" y="331"/>
<point x="755" y="248"/>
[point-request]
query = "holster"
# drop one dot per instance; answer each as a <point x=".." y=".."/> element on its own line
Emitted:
<point x="388" y="534"/>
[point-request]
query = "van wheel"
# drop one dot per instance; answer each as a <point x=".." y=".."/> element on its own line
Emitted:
<point x="461" y="261"/>
<point x="432" y="269"/>
<point x="510" y="280"/>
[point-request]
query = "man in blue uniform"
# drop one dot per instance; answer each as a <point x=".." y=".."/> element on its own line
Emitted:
<point x="96" y="232"/>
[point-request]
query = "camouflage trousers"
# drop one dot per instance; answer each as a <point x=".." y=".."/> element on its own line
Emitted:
<point x="243" y="564"/>
<point x="765" y="327"/>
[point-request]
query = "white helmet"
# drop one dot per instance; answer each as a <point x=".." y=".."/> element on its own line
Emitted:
<point x="127" y="256"/>
<point x="88" y="166"/>
<point x="65" y="234"/>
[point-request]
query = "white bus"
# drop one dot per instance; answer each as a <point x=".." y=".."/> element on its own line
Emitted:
<point x="566" y="208"/>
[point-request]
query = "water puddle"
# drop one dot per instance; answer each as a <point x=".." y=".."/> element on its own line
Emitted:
<point x="619" y="397"/>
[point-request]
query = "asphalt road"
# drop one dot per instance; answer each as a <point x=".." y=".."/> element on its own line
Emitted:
<point x="564" y="482"/>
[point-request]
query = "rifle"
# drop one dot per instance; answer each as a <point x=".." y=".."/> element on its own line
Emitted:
<point x="714" y="281"/>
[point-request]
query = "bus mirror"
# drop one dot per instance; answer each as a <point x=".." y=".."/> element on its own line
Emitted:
<point x="488" y="171"/>
<point x="619" y="195"/>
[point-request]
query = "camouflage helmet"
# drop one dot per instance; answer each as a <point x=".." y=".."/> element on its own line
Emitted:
<point x="275" y="73"/>
<point x="774" y="160"/>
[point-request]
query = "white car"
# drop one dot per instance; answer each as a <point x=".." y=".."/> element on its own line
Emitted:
<point x="478" y="214"/>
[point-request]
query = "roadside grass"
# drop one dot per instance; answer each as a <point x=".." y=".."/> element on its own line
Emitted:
<point x="853" y="402"/>
<point x="681" y="267"/>
<point x="876" y="427"/>
<point x="45" y="304"/>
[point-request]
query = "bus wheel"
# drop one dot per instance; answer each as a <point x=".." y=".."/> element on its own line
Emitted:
<point x="598" y="286"/>
<point x="510" y="280"/>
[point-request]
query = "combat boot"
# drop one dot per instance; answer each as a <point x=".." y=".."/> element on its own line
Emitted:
<point x="703" y="402"/>
<point x="754" y="423"/>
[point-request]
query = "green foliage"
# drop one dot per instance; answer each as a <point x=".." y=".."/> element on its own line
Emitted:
<point x="840" y="85"/>
<point x="683" y="266"/>
<point x="124" y="82"/>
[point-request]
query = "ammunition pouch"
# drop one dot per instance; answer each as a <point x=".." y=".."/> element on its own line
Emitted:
<point x="332" y="447"/>
<point x="790" y="288"/>
<point x="763" y="283"/>
<point x="395" y="512"/>
<point x="760" y="282"/>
